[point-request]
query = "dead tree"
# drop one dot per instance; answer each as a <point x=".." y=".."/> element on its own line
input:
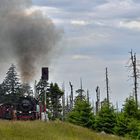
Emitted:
<point x="67" y="106"/>
<point x="63" y="102"/>
<point x="107" y="86"/>
<point x="71" y="95"/>
<point x="98" y="99"/>
<point x="135" y="75"/>
<point x="117" y="108"/>
<point x="80" y="92"/>
<point x="88" y="96"/>
<point x="93" y="106"/>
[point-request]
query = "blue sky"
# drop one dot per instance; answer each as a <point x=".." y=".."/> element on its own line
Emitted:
<point x="97" y="34"/>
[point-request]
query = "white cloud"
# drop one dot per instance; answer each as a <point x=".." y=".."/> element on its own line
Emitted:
<point x="130" y="24"/>
<point x="94" y="35"/>
<point x="79" y="22"/>
<point x="116" y="9"/>
<point x="81" y="57"/>
<point x="116" y="5"/>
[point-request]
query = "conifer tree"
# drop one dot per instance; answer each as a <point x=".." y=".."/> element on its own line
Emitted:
<point x="121" y="127"/>
<point x="11" y="84"/>
<point x="82" y="113"/>
<point x="55" y="96"/>
<point x="130" y="108"/>
<point x="105" y="119"/>
<point x="128" y="120"/>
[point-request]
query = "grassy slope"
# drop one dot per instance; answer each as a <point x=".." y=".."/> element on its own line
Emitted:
<point x="35" y="130"/>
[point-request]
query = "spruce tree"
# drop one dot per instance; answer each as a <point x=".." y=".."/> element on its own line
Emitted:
<point x="11" y="85"/>
<point x="2" y="93"/>
<point x="11" y="81"/>
<point x="128" y="119"/>
<point x="55" y="96"/>
<point x="130" y="108"/>
<point x="121" y="127"/>
<point x="82" y="113"/>
<point x="105" y="119"/>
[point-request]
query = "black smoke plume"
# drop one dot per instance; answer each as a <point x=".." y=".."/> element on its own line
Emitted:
<point x="26" y="35"/>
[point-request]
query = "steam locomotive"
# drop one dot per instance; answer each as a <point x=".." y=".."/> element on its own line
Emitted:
<point x="24" y="109"/>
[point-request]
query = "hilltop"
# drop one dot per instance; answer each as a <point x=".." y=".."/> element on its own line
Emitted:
<point x="36" y="130"/>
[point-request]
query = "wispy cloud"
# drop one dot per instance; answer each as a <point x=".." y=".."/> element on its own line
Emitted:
<point x="130" y="24"/>
<point x="79" y="22"/>
<point x="99" y="32"/>
<point x="81" y="57"/>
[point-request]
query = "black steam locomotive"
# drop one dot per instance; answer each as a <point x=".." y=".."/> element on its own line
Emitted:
<point x="24" y="109"/>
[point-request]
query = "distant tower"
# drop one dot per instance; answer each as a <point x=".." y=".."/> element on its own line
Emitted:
<point x="98" y="99"/>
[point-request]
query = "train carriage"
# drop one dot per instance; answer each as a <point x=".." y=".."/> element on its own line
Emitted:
<point x="6" y="111"/>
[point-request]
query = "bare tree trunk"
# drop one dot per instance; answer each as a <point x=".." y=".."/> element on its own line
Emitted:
<point x="63" y="102"/>
<point x="98" y="99"/>
<point x="135" y="76"/>
<point x="107" y="85"/>
<point x="71" y="95"/>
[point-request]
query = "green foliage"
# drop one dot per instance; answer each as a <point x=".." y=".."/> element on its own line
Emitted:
<point x="130" y="109"/>
<point x="128" y="123"/>
<point x="11" y="81"/>
<point x="81" y="114"/>
<point x="11" y="87"/>
<point x="80" y="94"/>
<point x="55" y="96"/>
<point x="134" y="129"/>
<point x="106" y="119"/>
<point x="121" y="127"/>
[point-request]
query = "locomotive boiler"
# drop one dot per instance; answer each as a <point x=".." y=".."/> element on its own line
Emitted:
<point x="26" y="108"/>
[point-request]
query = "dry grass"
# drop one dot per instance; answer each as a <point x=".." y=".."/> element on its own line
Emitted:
<point x="36" y="130"/>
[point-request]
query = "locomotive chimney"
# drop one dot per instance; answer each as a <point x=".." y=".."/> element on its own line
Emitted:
<point x="45" y="73"/>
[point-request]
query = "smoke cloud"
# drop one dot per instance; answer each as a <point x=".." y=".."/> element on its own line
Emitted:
<point x="26" y="35"/>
